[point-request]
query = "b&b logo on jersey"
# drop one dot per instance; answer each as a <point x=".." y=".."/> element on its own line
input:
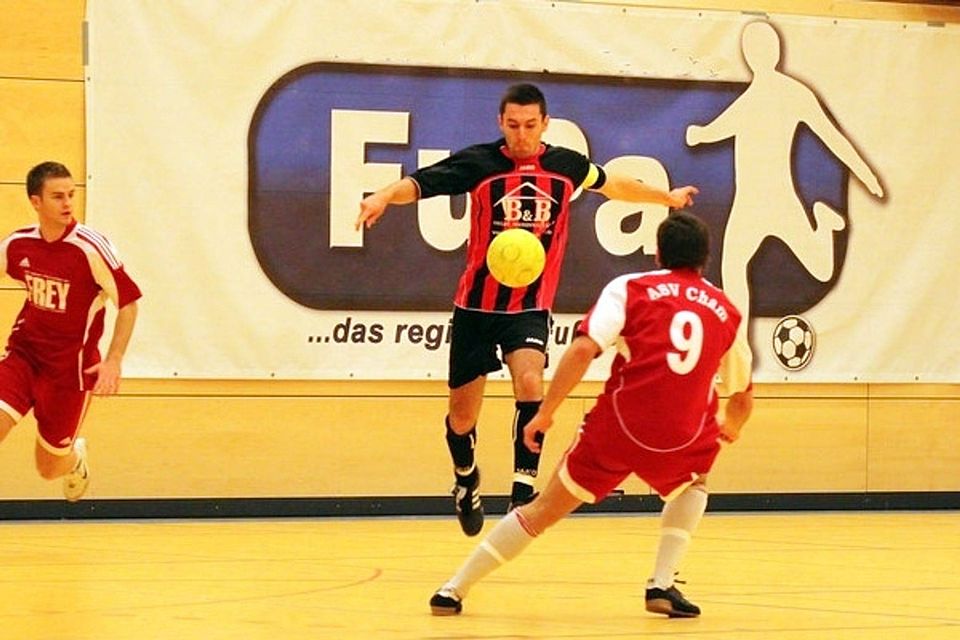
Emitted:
<point x="528" y="204"/>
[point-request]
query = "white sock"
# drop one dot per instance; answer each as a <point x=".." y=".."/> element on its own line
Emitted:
<point x="678" y="521"/>
<point x="504" y="543"/>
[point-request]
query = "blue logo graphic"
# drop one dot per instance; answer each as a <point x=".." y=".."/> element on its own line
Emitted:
<point x="324" y="134"/>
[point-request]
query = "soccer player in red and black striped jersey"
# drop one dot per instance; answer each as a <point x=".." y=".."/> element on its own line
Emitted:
<point x="675" y="333"/>
<point x="516" y="181"/>
<point x="52" y="361"/>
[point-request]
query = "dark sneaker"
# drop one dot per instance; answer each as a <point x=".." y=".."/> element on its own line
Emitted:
<point x="671" y="603"/>
<point x="519" y="502"/>
<point x="445" y="602"/>
<point x="469" y="507"/>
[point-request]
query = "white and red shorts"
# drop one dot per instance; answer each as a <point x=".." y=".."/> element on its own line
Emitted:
<point x="603" y="455"/>
<point x="59" y="411"/>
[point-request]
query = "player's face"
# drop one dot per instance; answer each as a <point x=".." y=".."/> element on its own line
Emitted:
<point x="54" y="205"/>
<point x="522" y="127"/>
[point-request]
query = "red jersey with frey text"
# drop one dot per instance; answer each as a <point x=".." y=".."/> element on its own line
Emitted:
<point x="674" y="333"/>
<point x="533" y="193"/>
<point x="67" y="282"/>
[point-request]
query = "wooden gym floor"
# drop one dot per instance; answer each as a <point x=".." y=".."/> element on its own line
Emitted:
<point x="798" y="576"/>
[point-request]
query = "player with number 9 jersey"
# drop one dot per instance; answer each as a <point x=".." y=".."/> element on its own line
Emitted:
<point x="674" y="332"/>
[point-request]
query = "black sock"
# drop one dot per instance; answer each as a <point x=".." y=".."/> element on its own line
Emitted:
<point x="525" y="462"/>
<point x="461" y="451"/>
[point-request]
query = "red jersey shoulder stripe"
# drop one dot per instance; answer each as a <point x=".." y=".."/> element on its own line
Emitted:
<point x="24" y="233"/>
<point x="33" y="231"/>
<point x="101" y="244"/>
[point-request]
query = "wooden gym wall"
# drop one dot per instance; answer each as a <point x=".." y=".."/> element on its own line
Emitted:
<point x="163" y="439"/>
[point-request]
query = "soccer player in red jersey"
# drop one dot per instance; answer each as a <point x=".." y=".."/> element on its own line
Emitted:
<point x="52" y="361"/>
<point x="516" y="181"/>
<point x="656" y="417"/>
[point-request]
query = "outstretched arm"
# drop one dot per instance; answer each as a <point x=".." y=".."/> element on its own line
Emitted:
<point x="108" y="369"/>
<point x="403" y="191"/>
<point x="621" y="187"/>
<point x="573" y="365"/>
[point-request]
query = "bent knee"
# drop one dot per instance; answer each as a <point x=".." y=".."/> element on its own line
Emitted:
<point x="49" y="471"/>
<point x="50" y="466"/>
<point x="529" y="385"/>
<point x="7" y="422"/>
<point x="461" y="421"/>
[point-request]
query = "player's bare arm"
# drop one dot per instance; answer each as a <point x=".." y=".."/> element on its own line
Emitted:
<point x="735" y="380"/>
<point x="621" y="187"/>
<point x="108" y="369"/>
<point x="403" y="191"/>
<point x="573" y="365"/>
<point x="736" y="412"/>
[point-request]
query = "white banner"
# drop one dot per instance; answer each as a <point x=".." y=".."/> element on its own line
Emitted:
<point x="230" y="142"/>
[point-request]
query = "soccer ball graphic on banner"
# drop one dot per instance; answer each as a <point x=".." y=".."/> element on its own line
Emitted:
<point x="516" y="257"/>
<point x="793" y="342"/>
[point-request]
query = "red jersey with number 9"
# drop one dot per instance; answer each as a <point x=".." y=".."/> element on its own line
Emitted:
<point x="674" y="331"/>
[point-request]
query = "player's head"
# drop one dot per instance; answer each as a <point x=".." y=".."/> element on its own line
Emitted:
<point x="523" y="119"/>
<point x="37" y="176"/>
<point x="524" y="94"/>
<point x="683" y="242"/>
<point x="50" y="189"/>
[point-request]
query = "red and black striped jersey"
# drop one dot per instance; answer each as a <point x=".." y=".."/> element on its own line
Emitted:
<point x="533" y="193"/>
<point x="67" y="282"/>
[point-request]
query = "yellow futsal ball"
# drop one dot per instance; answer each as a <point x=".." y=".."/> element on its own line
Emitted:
<point x="516" y="257"/>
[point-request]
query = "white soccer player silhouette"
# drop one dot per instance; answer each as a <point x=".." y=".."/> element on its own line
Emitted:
<point x="763" y="122"/>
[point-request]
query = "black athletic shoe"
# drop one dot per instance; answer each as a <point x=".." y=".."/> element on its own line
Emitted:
<point x="519" y="502"/>
<point x="670" y="602"/>
<point x="469" y="507"/>
<point x="445" y="602"/>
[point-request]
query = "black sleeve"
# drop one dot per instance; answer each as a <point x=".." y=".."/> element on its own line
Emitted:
<point x="458" y="173"/>
<point x="575" y="166"/>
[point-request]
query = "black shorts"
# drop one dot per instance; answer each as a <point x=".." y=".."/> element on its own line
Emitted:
<point x="477" y="334"/>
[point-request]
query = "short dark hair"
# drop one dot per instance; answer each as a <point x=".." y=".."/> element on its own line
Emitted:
<point x="683" y="241"/>
<point x="39" y="174"/>
<point x="524" y="94"/>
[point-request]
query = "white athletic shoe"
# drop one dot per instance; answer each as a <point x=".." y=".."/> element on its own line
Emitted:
<point x="76" y="482"/>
